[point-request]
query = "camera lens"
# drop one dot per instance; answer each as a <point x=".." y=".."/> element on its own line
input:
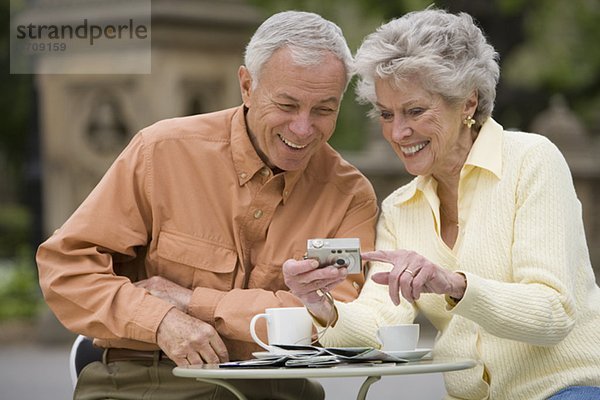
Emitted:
<point x="342" y="261"/>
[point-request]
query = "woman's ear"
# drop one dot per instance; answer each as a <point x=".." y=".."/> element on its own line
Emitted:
<point x="471" y="103"/>
<point x="245" y="85"/>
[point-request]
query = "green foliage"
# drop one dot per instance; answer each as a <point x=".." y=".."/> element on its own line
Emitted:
<point x="15" y="229"/>
<point x="559" y="53"/>
<point x="351" y="130"/>
<point x="14" y="101"/>
<point x="512" y="6"/>
<point x="387" y="10"/>
<point x="19" y="291"/>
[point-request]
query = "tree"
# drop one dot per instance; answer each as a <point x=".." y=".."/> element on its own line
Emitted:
<point x="560" y="53"/>
<point x="15" y="104"/>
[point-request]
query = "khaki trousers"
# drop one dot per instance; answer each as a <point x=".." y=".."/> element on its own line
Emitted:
<point x="136" y="380"/>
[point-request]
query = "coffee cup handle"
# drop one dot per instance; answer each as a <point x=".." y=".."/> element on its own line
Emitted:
<point x="253" y="331"/>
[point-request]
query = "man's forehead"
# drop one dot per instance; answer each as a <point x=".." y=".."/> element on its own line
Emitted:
<point x="295" y="98"/>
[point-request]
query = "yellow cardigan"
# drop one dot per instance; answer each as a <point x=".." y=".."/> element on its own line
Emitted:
<point x="531" y="311"/>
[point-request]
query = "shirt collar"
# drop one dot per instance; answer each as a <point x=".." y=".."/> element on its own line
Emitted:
<point x="486" y="153"/>
<point x="246" y="160"/>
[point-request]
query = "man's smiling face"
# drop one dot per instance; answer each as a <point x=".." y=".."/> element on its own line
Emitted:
<point x="293" y="109"/>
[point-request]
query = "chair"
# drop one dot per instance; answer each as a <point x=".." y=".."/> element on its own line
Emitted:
<point x="82" y="353"/>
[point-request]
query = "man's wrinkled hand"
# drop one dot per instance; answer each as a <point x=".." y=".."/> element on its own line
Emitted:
<point x="305" y="279"/>
<point x="167" y="290"/>
<point x="308" y="282"/>
<point x="187" y="340"/>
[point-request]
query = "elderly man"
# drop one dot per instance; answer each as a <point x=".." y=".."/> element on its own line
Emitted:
<point x="183" y="240"/>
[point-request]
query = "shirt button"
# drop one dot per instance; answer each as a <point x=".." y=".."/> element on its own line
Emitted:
<point x="243" y="175"/>
<point x="258" y="214"/>
<point x="264" y="171"/>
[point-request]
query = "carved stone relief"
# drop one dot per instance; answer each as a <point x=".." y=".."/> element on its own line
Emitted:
<point x="103" y="121"/>
<point x="106" y="131"/>
<point x="201" y="95"/>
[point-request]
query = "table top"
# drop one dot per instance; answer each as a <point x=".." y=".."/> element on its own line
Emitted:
<point x="208" y="371"/>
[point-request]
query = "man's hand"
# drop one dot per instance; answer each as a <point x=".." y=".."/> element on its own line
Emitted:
<point x="304" y="278"/>
<point x="169" y="291"/>
<point x="187" y="340"/>
<point x="307" y="282"/>
<point x="414" y="274"/>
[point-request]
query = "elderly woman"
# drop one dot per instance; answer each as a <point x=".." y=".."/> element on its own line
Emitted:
<point x="487" y="241"/>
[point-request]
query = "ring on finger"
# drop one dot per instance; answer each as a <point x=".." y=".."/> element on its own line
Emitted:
<point x="409" y="271"/>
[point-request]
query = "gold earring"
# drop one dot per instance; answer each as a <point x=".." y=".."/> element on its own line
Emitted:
<point x="468" y="121"/>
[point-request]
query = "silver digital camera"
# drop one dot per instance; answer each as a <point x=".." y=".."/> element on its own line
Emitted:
<point x="339" y="252"/>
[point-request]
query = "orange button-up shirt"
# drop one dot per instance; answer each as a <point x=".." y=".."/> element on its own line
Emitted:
<point x="189" y="199"/>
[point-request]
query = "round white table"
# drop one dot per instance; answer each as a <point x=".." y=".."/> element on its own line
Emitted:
<point x="211" y="373"/>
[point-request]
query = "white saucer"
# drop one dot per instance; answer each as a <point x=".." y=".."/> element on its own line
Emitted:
<point x="408" y="354"/>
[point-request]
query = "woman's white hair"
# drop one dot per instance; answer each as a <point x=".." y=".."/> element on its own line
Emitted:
<point x="309" y="36"/>
<point x="447" y="53"/>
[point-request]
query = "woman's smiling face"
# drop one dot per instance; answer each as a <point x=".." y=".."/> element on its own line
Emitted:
<point x="425" y="131"/>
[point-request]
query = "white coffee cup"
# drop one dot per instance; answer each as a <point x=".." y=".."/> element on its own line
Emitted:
<point x="286" y="325"/>
<point x="398" y="337"/>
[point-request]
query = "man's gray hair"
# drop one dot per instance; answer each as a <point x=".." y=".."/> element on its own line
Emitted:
<point x="447" y="53"/>
<point x="309" y="36"/>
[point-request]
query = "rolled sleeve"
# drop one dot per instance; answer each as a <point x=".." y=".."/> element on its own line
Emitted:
<point x="204" y="302"/>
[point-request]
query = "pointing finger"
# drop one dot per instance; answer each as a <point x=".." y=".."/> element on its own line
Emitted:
<point x="381" y="277"/>
<point x="379" y="255"/>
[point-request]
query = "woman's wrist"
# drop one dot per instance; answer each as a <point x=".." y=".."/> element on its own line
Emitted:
<point x="459" y="288"/>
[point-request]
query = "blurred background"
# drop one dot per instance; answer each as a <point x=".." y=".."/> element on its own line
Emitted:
<point x="60" y="132"/>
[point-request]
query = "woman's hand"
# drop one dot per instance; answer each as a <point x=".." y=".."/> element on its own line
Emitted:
<point x="414" y="274"/>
